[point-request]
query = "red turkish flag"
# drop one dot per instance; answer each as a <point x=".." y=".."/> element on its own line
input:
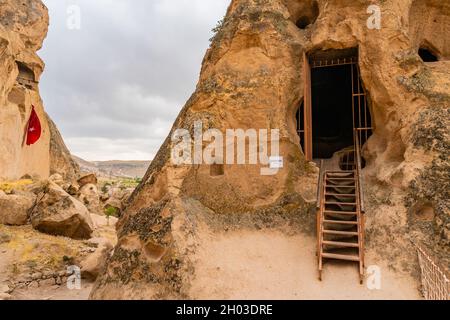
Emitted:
<point x="34" y="128"/>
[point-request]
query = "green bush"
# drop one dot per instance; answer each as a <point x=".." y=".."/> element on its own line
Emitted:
<point x="111" y="212"/>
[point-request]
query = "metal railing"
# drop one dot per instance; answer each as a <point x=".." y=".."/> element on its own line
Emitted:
<point x="435" y="281"/>
<point x="358" y="161"/>
<point x="319" y="205"/>
<point x="320" y="184"/>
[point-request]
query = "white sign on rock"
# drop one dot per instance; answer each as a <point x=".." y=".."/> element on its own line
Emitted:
<point x="276" y="162"/>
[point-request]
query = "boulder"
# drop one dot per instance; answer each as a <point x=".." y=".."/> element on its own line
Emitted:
<point x="117" y="193"/>
<point x="117" y="198"/>
<point x="4" y="238"/>
<point x="58" y="213"/>
<point x="14" y="208"/>
<point x="95" y="263"/>
<point x="88" y="179"/>
<point x="104" y="197"/>
<point x="57" y="179"/>
<point x="90" y="197"/>
<point x="113" y="203"/>
<point x="73" y="189"/>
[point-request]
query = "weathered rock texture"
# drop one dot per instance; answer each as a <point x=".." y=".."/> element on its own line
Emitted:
<point x="23" y="27"/>
<point x="252" y="77"/>
<point x="14" y="208"/>
<point x="57" y="213"/>
<point x="61" y="161"/>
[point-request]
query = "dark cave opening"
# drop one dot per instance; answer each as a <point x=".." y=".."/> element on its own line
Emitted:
<point x="309" y="16"/>
<point x="26" y="76"/>
<point x="427" y="55"/>
<point x="332" y="124"/>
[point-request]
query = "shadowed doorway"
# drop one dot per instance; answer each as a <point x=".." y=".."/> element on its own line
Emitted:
<point x="332" y="123"/>
<point x="335" y="106"/>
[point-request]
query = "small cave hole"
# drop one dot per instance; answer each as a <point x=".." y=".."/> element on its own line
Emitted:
<point x="309" y="16"/>
<point x="423" y="211"/>
<point x="427" y="55"/>
<point x="26" y="76"/>
<point x="217" y="170"/>
<point x="303" y="22"/>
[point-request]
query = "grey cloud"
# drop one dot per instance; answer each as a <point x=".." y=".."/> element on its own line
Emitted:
<point x="123" y="77"/>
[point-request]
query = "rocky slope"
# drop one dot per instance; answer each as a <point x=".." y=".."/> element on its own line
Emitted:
<point x="23" y="27"/>
<point x="252" y="77"/>
<point x="113" y="168"/>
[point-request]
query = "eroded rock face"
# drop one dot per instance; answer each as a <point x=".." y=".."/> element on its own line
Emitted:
<point x="88" y="179"/>
<point x="57" y="213"/>
<point x="61" y="161"/>
<point x="23" y="27"/>
<point x="89" y="196"/>
<point x="253" y="77"/>
<point x="95" y="263"/>
<point x="14" y="208"/>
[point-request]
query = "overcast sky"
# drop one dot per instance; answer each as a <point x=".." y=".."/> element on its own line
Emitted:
<point x="115" y="86"/>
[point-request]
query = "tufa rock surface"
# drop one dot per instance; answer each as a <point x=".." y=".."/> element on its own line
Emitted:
<point x="61" y="161"/>
<point x="95" y="263"/>
<point x="252" y="77"/>
<point x="23" y="27"/>
<point x="59" y="214"/>
<point x="90" y="197"/>
<point x="14" y="208"/>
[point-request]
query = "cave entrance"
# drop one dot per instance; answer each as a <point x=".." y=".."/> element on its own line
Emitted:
<point x="335" y="107"/>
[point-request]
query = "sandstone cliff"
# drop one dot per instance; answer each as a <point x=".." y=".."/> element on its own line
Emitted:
<point x="252" y="77"/>
<point x="61" y="161"/>
<point x="23" y="27"/>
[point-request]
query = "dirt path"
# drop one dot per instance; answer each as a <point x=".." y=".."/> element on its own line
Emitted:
<point x="271" y="265"/>
<point x="53" y="293"/>
<point x="264" y="264"/>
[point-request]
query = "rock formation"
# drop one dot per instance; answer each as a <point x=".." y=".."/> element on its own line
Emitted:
<point x="57" y="213"/>
<point x="14" y="208"/>
<point x="252" y="77"/>
<point x="61" y="161"/>
<point x="94" y="264"/>
<point x="23" y="27"/>
<point x="90" y="197"/>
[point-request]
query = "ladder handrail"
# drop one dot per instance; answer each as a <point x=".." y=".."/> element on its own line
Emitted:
<point x="359" y="172"/>
<point x="320" y="185"/>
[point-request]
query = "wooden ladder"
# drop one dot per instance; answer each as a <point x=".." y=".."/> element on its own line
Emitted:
<point x="340" y="219"/>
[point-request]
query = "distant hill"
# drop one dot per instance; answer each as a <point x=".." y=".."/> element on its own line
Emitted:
<point x="114" y="168"/>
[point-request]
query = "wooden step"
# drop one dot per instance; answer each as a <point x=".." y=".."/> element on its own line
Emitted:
<point x="340" y="257"/>
<point x="335" y="216"/>
<point x="340" y="222"/>
<point x="340" y="175"/>
<point x="333" y="192"/>
<point x="340" y="179"/>
<point x="340" y="187"/>
<point x="341" y="233"/>
<point x="340" y="195"/>
<point x="342" y="203"/>
<point x="341" y="212"/>
<point x="341" y="244"/>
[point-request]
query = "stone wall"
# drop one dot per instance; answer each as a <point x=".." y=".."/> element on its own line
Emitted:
<point x="23" y="27"/>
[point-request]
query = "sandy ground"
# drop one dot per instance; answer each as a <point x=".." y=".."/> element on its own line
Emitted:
<point x="27" y="247"/>
<point x="271" y="265"/>
<point x="54" y="293"/>
<point x="264" y="264"/>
